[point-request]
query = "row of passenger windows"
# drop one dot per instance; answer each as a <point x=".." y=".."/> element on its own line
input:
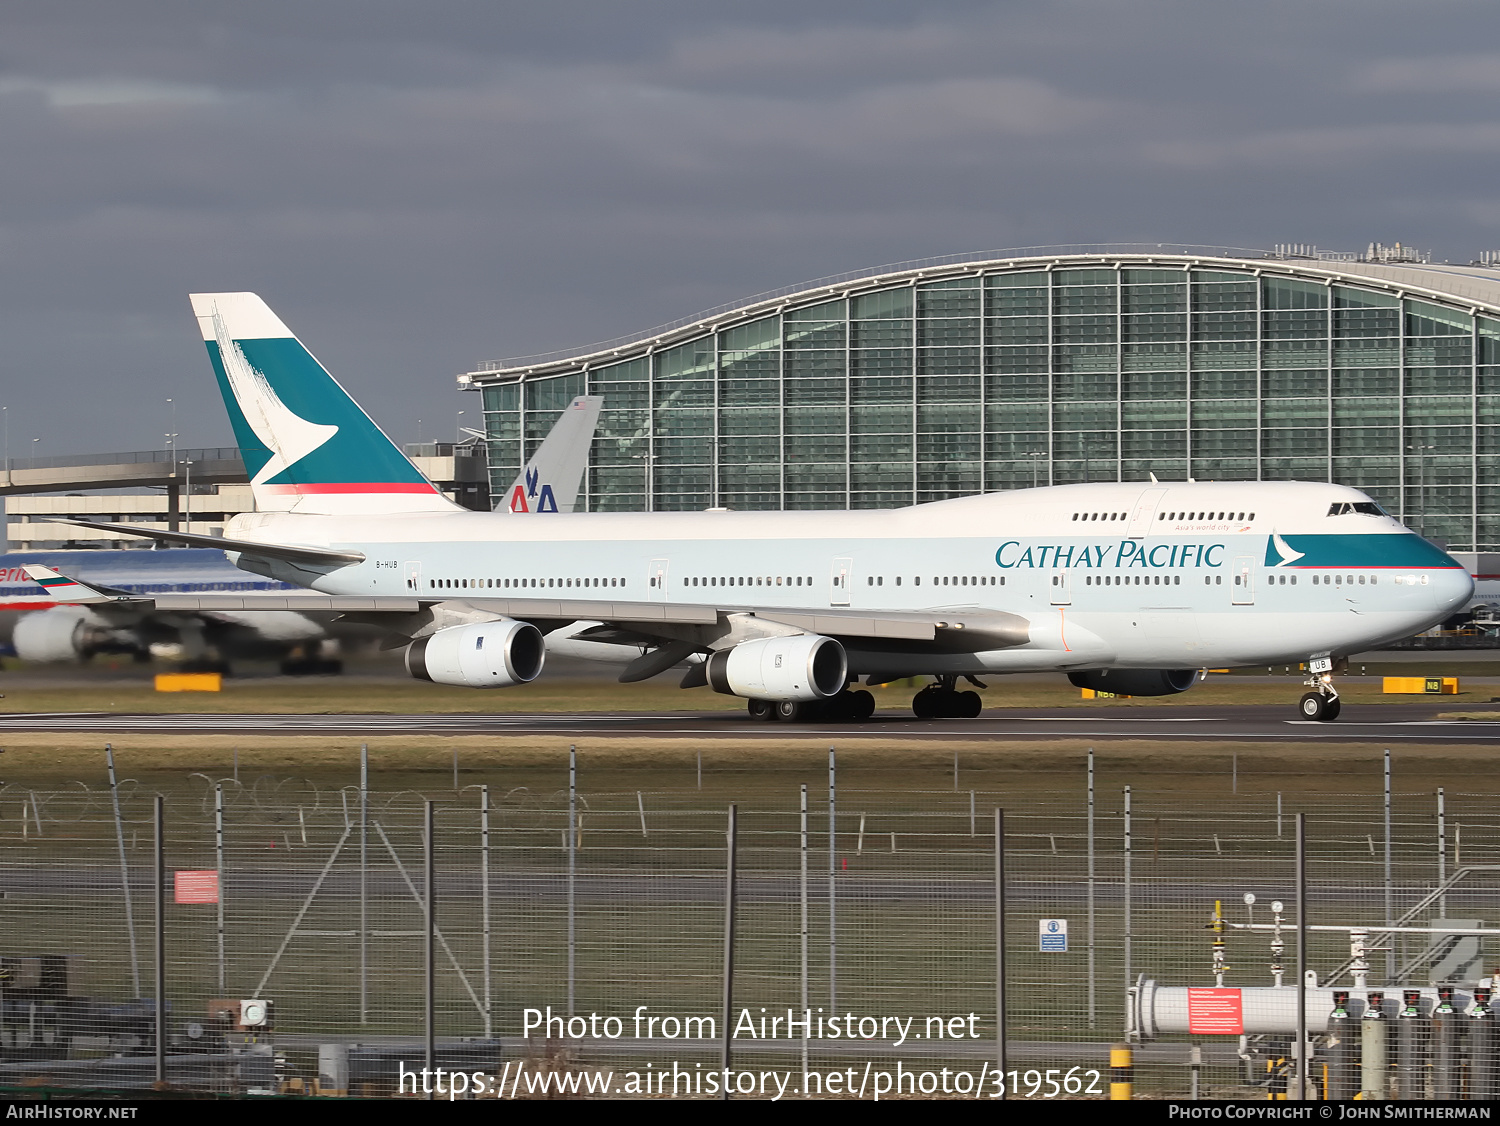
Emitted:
<point x="745" y="580"/>
<point x="514" y="584"/>
<point x="942" y="580"/>
<point x="1125" y="580"/>
<point x="1098" y="516"/>
<point x="1205" y="516"/>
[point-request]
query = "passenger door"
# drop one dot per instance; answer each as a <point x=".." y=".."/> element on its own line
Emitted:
<point x="839" y="580"/>
<point x="413" y="568"/>
<point x="656" y="580"/>
<point x="1243" y="580"/>
<point x="1144" y="513"/>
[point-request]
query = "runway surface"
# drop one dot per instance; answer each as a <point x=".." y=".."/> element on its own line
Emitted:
<point x="1384" y="723"/>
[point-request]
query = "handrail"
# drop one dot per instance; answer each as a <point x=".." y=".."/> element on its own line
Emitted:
<point x="1420" y="906"/>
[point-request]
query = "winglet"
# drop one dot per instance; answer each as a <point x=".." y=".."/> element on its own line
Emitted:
<point x="62" y="589"/>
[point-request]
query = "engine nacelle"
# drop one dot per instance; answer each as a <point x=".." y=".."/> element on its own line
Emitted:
<point x="63" y="633"/>
<point x="805" y="667"/>
<point x="1136" y="682"/>
<point x="484" y="655"/>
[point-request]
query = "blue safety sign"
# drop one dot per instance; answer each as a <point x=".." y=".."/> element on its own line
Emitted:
<point x="1053" y="936"/>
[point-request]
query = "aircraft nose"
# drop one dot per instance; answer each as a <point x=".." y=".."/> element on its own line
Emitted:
<point x="1455" y="586"/>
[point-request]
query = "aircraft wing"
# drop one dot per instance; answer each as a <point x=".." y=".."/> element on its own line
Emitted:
<point x="961" y="628"/>
<point x="294" y="553"/>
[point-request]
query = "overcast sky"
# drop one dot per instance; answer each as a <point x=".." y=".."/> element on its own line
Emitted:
<point x="415" y="187"/>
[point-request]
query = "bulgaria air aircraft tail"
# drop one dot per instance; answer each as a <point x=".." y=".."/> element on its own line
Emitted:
<point x="307" y="446"/>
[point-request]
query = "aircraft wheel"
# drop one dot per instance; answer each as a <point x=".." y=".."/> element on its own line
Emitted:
<point x="968" y="705"/>
<point x="861" y="705"/>
<point x="762" y="710"/>
<point x="1314" y="705"/>
<point x="793" y="711"/>
<point x="925" y="704"/>
<point x="1334" y="707"/>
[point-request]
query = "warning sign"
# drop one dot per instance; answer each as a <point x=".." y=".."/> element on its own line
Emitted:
<point x="195" y="887"/>
<point x="1052" y="937"/>
<point x="1215" y="1012"/>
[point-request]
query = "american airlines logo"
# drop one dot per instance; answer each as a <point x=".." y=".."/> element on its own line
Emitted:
<point x="521" y="497"/>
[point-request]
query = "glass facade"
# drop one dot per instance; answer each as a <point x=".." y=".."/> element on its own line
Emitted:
<point x="998" y="376"/>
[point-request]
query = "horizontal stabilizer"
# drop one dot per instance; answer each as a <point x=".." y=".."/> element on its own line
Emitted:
<point x="62" y="589"/>
<point x="289" y="552"/>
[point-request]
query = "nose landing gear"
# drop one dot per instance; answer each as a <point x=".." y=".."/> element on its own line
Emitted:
<point x="1322" y="703"/>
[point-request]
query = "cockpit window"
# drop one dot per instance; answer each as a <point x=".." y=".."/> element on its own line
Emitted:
<point x="1363" y="507"/>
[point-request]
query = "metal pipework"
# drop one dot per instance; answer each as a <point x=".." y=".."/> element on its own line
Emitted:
<point x="1156" y="1010"/>
<point x="1374" y="1082"/>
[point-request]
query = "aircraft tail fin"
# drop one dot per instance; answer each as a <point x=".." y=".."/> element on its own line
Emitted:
<point x="551" y="479"/>
<point x="63" y="590"/>
<point x="307" y="445"/>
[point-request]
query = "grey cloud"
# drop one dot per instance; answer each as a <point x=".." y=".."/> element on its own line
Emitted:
<point x="417" y="187"/>
<point x="1450" y="74"/>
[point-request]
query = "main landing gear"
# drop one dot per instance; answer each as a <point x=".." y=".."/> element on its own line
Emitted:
<point x="1322" y="703"/>
<point x="846" y="707"/>
<point x="942" y="700"/>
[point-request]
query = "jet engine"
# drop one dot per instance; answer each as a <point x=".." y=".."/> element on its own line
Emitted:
<point x="805" y="667"/>
<point x="494" y="654"/>
<point x="1136" y="682"/>
<point x="67" y="633"/>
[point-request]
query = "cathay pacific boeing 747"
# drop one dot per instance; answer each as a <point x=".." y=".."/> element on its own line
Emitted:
<point x="1125" y="587"/>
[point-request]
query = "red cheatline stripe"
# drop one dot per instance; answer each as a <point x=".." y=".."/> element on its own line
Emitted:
<point x="28" y="605"/>
<point x="352" y="487"/>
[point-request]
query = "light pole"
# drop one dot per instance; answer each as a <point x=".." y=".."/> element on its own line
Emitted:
<point x="458" y="428"/>
<point x="1034" y="455"/>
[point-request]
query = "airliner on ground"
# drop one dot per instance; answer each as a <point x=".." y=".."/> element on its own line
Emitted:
<point x="1125" y="587"/>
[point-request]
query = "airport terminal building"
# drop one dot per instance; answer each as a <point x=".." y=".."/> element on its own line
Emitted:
<point x="948" y="377"/>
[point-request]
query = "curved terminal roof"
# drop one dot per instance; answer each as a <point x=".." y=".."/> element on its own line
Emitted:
<point x="1474" y="285"/>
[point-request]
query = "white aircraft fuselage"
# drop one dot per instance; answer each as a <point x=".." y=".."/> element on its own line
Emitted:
<point x="1127" y="575"/>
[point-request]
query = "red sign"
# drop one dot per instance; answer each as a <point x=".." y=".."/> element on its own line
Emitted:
<point x="195" y="887"/>
<point x="1215" y="1012"/>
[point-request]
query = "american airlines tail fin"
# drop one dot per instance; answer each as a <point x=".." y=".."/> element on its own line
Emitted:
<point x="552" y="477"/>
<point x="307" y="446"/>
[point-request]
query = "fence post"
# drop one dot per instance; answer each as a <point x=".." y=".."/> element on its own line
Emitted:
<point x="1092" y="1001"/>
<point x="1128" y="920"/>
<point x="484" y="898"/>
<point x="1390" y="909"/>
<point x="114" y="791"/>
<point x="1303" y="1069"/>
<point x="833" y="942"/>
<point x="1442" y="851"/>
<point x="572" y="868"/>
<point x="158" y="863"/>
<point x="724" y="1058"/>
<point x="364" y="883"/>
<point x="429" y="930"/>
<point x="219" y="864"/>
<point x="806" y="1009"/>
<point x="1000" y="1032"/>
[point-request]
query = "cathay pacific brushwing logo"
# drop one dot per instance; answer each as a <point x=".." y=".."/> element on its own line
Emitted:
<point x="1288" y="554"/>
<point x="289" y="437"/>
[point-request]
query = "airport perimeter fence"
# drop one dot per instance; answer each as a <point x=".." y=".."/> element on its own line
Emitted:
<point x="580" y="938"/>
